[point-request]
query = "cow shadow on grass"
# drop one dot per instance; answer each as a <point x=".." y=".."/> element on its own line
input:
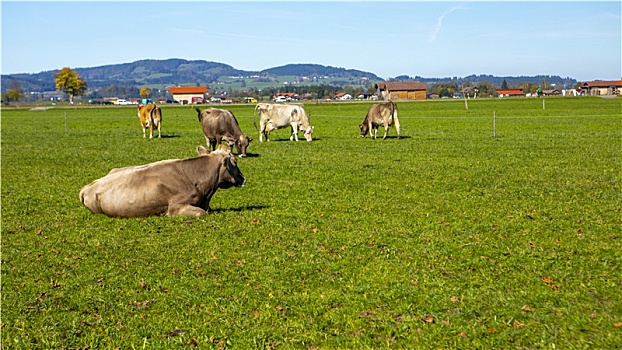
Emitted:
<point x="251" y="155"/>
<point x="170" y="136"/>
<point x="390" y="137"/>
<point x="300" y="139"/>
<point x="239" y="209"/>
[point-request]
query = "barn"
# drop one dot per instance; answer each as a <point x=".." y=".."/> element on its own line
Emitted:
<point x="603" y="87"/>
<point x="402" y="90"/>
<point x="510" y="93"/>
<point x="188" y="94"/>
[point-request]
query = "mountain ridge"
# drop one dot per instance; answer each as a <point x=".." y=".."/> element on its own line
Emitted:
<point x="177" y="71"/>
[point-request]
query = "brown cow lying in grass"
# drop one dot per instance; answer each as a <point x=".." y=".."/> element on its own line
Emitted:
<point x="175" y="187"/>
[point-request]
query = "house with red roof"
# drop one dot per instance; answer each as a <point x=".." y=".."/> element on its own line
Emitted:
<point x="188" y="94"/>
<point x="510" y="92"/>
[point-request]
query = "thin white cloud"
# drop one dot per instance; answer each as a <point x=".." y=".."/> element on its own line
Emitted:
<point x="439" y="22"/>
<point x="186" y="30"/>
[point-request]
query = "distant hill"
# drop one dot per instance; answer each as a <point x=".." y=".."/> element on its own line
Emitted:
<point x="497" y="81"/>
<point x="198" y="72"/>
<point x="144" y="72"/>
<point x="319" y="70"/>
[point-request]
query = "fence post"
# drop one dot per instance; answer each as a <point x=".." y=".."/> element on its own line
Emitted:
<point x="494" y="124"/>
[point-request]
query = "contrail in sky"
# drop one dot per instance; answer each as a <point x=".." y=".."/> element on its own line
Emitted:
<point x="439" y="22"/>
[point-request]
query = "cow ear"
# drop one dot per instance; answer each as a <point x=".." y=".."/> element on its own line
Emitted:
<point x="228" y="159"/>
<point x="202" y="151"/>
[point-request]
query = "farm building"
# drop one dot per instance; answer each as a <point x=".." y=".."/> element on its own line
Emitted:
<point x="551" y="92"/>
<point x="188" y="94"/>
<point x="402" y="90"/>
<point x="603" y="87"/>
<point x="510" y="93"/>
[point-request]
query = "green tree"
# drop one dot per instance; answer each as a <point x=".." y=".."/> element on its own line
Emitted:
<point x="486" y="89"/>
<point x="348" y="89"/>
<point x="70" y="82"/>
<point x="15" y="91"/>
<point x="504" y="85"/>
<point x="145" y="92"/>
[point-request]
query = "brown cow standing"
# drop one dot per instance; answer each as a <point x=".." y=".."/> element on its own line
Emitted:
<point x="220" y="124"/>
<point x="150" y="116"/>
<point x="175" y="187"/>
<point x="382" y="114"/>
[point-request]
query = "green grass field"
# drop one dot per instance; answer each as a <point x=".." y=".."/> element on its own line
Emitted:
<point x="446" y="238"/>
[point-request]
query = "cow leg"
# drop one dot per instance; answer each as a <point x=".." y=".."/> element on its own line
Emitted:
<point x="294" y="132"/>
<point x="151" y="129"/>
<point x="159" y="127"/>
<point x="184" y="210"/>
<point x="397" y="125"/>
<point x="262" y="131"/>
<point x="207" y="142"/>
<point x="386" y="130"/>
<point x="371" y="130"/>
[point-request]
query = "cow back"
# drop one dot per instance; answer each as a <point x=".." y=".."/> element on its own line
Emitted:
<point x="215" y="121"/>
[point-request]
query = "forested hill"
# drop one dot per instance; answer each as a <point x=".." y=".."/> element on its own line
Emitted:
<point x="143" y="72"/>
<point x="172" y="72"/>
<point x="199" y="72"/>
<point x="319" y="70"/>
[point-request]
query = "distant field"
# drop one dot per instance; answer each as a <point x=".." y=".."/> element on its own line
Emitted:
<point x="446" y="238"/>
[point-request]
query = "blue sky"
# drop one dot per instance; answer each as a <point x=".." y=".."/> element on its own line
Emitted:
<point x="581" y="40"/>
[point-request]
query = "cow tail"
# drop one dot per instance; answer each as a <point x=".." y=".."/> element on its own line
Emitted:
<point x="157" y="112"/>
<point x="200" y="116"/>
<point x="254" y="119"/>
<point x="393" y="108"/>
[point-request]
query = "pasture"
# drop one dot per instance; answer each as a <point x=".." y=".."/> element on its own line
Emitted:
<point x="446" y="238"/>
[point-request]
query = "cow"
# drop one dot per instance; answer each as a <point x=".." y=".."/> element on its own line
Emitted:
<point x="174" y="187"/>
<point x="150" y="116"/>
<point x="276" y="116"/>
<point x="220" y="124"/>
<point x="381" y="114"/>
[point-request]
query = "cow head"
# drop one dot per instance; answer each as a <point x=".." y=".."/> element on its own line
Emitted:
<point x="241" y="144"/>
<point x="308" y="133"/>
<point x="364" y="129"/>
<point x="229" y="174"/>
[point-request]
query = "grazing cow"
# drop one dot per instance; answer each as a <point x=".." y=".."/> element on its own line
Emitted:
<point x="175" y="187"/>
<point x="150" y="116"/>
<point x="382" y="114"/>
<point x="277" y="116"/>
<point x="220" y="124"/>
